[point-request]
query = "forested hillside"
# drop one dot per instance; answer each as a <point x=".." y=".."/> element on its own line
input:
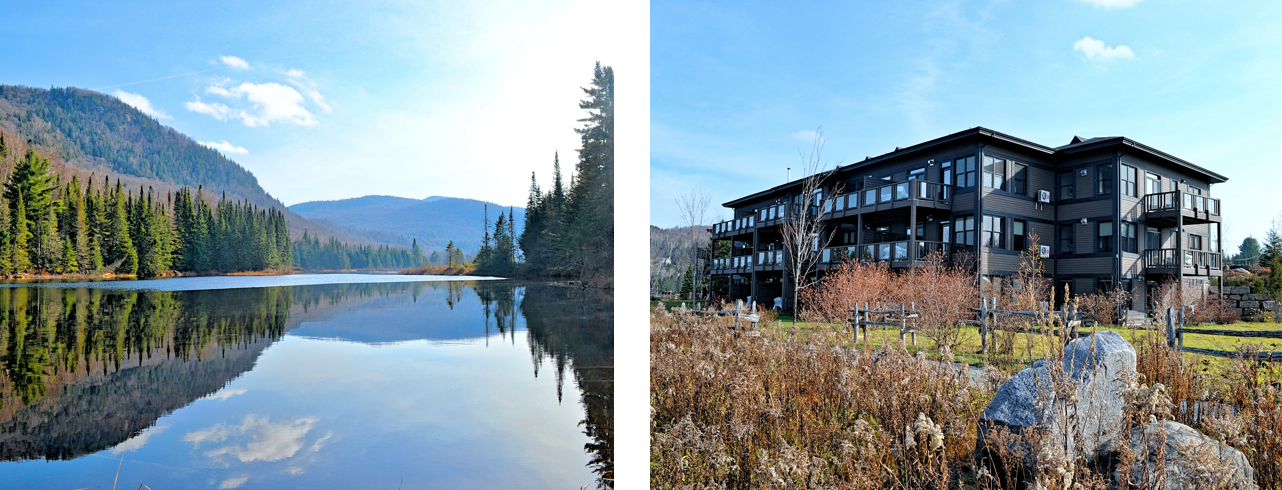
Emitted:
<point x="432" y="222"/>
<point x="86" y="133"/>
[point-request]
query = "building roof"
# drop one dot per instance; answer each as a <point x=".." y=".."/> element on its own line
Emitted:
<point x="1078" y="144"/>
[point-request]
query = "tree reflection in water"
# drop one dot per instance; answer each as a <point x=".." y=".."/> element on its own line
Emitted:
<point x="86" y="369"/>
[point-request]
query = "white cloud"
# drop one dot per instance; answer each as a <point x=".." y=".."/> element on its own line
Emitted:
<point x="224" y="147"/>
<point x="269" y="102"/>
<point x="269" y="442"/>
<point x="807" y="136"/>
<point x="1095" y="49"/>
<point x="295" y="73"/>
<point x="234" y="62"/>
<point x="233" y="482"/>
<point x="141" y="103"/>
<point x="137" y="442"/>
<point x="218" y="111"/>
<point x="1112" y="4"/>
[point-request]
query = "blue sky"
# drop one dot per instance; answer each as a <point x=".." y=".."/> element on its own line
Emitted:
<point x="327" y="100"/>
<point x="736" y="89"/>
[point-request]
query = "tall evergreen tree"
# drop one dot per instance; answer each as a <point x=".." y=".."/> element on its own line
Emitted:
<point x="21" y="235"/>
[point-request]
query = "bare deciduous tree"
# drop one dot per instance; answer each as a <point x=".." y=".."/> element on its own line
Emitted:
<point x="693" y="207"/>
<point x="803" y="231"/>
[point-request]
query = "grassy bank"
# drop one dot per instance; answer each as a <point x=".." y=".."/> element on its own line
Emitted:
<point x="440" y="270"/>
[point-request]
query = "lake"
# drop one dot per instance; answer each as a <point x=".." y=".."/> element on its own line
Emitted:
<point x="306" y="381"/>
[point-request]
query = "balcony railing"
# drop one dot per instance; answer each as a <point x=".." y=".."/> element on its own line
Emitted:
<point x="739" y="262"/>
<point x="893" y="192"/>
<point x="741" y="224"/>
<point x="1164" y="258"/>
<point x="770" y="258"/>
<point x="1165" y="201"/>
<point x="882" y="252"/>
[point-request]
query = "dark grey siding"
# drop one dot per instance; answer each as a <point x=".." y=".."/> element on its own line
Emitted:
<point x="1009" y="205"/>
<point x="1090" y="209"/>
<point x="1001" y="263"/>
<point x="1085" y="265"/>
<point x="963" y="202"/>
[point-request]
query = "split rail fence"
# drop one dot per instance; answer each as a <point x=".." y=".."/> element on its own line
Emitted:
<point x="1175" y="331"/>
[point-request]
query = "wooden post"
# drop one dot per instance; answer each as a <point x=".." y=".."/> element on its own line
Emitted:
<point x="854" y="322"/>
<point x="1170" y="326"/>
<point x="983" y="325"/>
<point x="915" y="325"/>
<point x="903" y="325"/>
<point x="869" y="318"/>
<point x="1179" y="334"/>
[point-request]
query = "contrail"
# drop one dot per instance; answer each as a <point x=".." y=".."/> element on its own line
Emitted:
<point x="155" y="79"/>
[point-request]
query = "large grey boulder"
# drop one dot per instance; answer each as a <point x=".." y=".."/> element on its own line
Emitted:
<point x="1079" y="417"/>
<point x="1173" y="456"/>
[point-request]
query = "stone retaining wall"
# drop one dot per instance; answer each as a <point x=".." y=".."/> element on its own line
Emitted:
<point x="1247" y="304"/>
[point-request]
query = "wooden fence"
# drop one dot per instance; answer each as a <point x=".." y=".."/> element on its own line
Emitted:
<point x="1175" y="331"/>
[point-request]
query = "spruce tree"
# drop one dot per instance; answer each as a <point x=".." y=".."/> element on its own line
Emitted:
<point x="21" y="235"/>
<point x="1272" y="245"/>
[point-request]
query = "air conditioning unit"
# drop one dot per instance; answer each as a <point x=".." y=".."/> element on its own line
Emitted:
<point x="1044" y="197"/>
<point x="1044" y="251"/>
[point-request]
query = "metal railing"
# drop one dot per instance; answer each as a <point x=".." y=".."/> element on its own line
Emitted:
<point x="739" y="224"/>
<point x="897" y="191"/>
<point x="882" y="252"/>
<point x="1165" y="258"/>
<point x="1164" y="201"/>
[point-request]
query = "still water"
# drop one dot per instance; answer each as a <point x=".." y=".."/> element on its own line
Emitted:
<point x="373" y="382"/>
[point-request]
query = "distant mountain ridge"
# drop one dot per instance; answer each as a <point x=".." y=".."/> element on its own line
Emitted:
<point x="434" y="221"/>
<point x="85" y="132"/>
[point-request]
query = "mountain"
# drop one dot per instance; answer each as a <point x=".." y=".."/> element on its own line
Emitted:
<point x="87" y="133"/>
<point x="433" y="221"/>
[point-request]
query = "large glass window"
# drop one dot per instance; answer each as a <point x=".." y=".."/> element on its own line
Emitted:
<point x="1066" y="239"/>
<point x="917" y="174"/>
<point x="1129" y="175"/>
<point x="1104" y="179"/>
<point x="946" y="231"/>
<point x="1195" y="242"/>
<point x="1104" y="236"/>
<point x="1019" y="235"/>
<point x="1215" y="239"/>
<point x="1129" y="238"/>
<point x="1153" y="239"/>
<point x="1152" y="184"/>
<point x="945" y="177"/>
<point x="1066" y="185"/>
<point x="994" y="173"/>
<point x="994" y="234"/>
<point x="1019" y="179"/>
<point x="965" y="172"/>
<point x="965" y="234"/>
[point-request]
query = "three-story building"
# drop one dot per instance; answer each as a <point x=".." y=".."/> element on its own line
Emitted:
<point x="1105" y="212"/>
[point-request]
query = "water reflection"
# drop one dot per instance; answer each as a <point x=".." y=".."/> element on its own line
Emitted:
<point x="90" y="370"/>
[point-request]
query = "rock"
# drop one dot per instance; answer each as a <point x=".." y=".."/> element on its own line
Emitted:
<point x="1093" y="365"/>
<point x="1214" y="290"/>
<point x="1255" y="297"/>
<point x="1268" y="305"/>
<point x="1190" y="459"/>
<point x="1250" y="304"/>
<point x="1241" y="290"/>
<point x="1235" y="297"/>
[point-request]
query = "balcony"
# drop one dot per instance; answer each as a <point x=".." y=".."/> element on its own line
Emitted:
<point x="734" y="227"/>
<point x="741" y="264"/>
<point x="897" y="253"/>
<point x="1194" y="263"/>
<point x="1166" y="207"/>
<point x="894" y="196"/>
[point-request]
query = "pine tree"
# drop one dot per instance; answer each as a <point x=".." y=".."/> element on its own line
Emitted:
<point x="1272" y="245"/>
<point x="21" y="235"/>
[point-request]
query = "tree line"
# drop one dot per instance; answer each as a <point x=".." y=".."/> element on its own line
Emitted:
<point x="569" y="230"/>
<point x="312" y="253"/>
<point x="55" y="228"/>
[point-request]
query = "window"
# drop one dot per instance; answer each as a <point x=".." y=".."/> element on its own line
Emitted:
<point x="1152" y="184"/>
<point x="1019" y="235"/>
<point x="1215" y="239"/>
<point x="1019" y="179"/>
<point x="1104" y="236"/>
<point x="1195" y="242"/>
<point x="946" y="231"/>
<point x="965" y="234"/>
<point x="1129" y="237"/>
<point x="917" y="174"/>
<point x="1153" y="239"/>
<point x="994" y="236"/>
<point x="945" y="177"/>
<point x="1103" y="284"/>
<point x="1104" y="179"/>
<point x="1128" y="181"/>
<point x="994" y="173"/>
<point x="1065" y="239"/>
<point x="1066" y="181"/>
<point x="965" y="172"/>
